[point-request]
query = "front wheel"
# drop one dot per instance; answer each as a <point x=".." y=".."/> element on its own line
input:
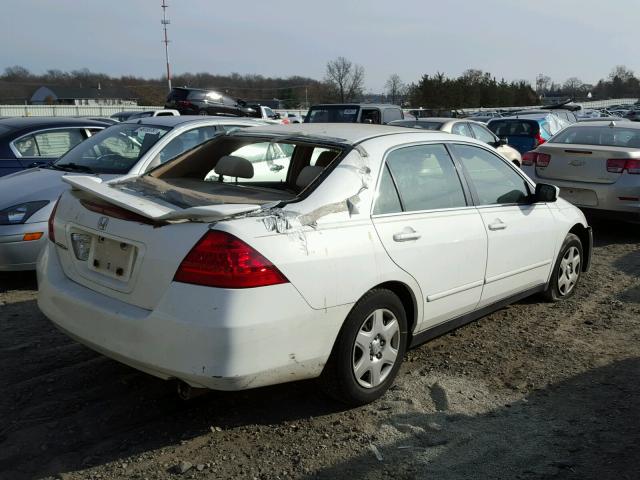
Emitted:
<point x="567" y="270"/>
<point x="369" y="350"/>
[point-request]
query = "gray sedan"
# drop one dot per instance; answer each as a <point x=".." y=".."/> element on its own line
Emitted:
<point x="595" y="164"/>
<point x="132" y="147"/>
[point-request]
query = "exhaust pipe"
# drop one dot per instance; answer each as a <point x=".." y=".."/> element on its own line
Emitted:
<point x="187" y="392"/>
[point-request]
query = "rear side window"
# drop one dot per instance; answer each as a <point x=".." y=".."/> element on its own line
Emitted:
<point x="426" y="178"/>
<point x="177" y="94"/>
<point x="461" y="128"/>
<point x="482" y="133"/>
<point x="387" y="200"/>
<point x="494" y="181"/>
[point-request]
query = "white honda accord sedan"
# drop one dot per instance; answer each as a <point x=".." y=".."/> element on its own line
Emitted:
<point x="366" y="241"/>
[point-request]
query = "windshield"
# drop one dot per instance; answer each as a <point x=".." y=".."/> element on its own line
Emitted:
<point x="331" y="114"/>
<point x="114" y="150"/>
<point x="600" y="135"/>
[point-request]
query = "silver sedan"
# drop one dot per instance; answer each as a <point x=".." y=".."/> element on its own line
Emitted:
<point x="595" y="164"/>
<point x="129" y="148"/>
<point x="466" y="128"/>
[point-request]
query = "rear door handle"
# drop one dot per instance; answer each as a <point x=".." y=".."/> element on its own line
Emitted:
<point x="497" y="225"/>
<point x="406" y="235"/>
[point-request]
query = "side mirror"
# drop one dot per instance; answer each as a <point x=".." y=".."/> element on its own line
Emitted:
<point x="276" y="116"/>
<point x="546" y="193"/>
<point x="503" y="141"/>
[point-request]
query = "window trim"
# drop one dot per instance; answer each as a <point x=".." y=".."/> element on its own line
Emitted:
<point x="463" y="182"/>
<point x="16" y="152"/>
<point x="474" y="194"/>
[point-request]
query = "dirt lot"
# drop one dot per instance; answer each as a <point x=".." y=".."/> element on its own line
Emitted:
<point x="533" y="391"/>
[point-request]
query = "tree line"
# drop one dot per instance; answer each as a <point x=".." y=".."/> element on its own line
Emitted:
<point x="343" y="82"/>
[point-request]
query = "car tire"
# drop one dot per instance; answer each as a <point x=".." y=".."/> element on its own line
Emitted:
<point x="369" y="350"/>
<point x="203" y="112"/>
<point x="566" y="271"/>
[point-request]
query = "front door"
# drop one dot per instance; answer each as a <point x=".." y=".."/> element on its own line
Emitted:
<point x="521" y="234"/>
<point x="430" y="229"/>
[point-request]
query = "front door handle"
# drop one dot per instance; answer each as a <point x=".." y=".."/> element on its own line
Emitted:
<point x="497" y="225"/>
<point x="406" y="235"/>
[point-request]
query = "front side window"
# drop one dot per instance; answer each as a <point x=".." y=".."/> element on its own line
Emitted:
<point x="52" y="144"/>
<point x="58" y="142"/>
<point x="495" y="182"/>
<point x="426" y="178"/>
<point x="114" y="150"/>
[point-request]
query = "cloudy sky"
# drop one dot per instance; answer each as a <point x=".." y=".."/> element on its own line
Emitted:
<point x="514" y="39"/>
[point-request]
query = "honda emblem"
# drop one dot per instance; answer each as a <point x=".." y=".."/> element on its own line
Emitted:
<point x="102" y="223"/>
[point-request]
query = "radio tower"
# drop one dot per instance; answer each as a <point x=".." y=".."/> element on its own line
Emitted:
<point x="164" y="23"/>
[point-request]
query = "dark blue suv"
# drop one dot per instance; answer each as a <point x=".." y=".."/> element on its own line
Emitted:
<point x="38" y="141"/>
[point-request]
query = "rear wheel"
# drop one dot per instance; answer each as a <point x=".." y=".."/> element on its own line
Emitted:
<point x="567" y="270"/>
<point x="369" y="350"/>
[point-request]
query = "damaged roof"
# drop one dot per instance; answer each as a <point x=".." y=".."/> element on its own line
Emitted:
<point x="347" y="133"/>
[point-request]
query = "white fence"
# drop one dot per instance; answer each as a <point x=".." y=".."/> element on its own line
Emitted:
<point x="67" y="110"/>
<point x="100" y="111"/>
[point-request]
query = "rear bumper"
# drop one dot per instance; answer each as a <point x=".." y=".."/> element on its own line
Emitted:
<point x="607" y="195"/>
<point x="15" y="253"/>
<point x="207" y="337"/>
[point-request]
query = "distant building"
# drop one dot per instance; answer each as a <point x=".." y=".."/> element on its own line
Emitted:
<point x="62" y="95"/>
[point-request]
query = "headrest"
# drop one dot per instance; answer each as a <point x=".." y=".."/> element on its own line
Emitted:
<point x="325" y="158"/>
<point x="231" y="166"/>
<point x="307" y="175"/>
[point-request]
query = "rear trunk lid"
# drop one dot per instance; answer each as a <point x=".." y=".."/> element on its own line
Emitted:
<point x="126" y="245"/>
<point x="580" y="163"/>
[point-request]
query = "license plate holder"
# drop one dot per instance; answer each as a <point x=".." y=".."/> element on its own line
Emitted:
<point x="580" y="196"/>
<point x="112" y="258"/>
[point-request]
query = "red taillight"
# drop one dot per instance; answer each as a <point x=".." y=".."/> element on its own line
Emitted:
<point x="543" y="160"/>
<point x="539" y="139"/>
<point x="222" y="260"/>
<point x="619" y="165"/>
<point x="184" y="103"/>
<point x="535" y="158"/>
<point x="52" y="235"/>
<point x="529" y="158"/>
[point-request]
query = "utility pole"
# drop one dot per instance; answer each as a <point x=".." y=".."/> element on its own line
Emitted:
<point x="164" y="23"/>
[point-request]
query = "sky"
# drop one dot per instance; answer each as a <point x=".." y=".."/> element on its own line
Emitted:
<point x="511" y="39"/>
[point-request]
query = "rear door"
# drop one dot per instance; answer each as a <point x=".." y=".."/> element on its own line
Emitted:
<point x="521" y="234"/>
<point x="429" y="229"/>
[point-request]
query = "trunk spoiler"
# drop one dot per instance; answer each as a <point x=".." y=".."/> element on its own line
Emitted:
<point x="153" y="209"/>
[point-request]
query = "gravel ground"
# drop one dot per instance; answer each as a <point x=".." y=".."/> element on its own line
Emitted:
<point x="532" y="391"/>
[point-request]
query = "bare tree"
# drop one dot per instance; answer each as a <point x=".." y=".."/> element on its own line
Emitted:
<point x="622" y="72"/>
<point x="395" y="88"/>
<point x="543" y="84"/>
<point x="346" y="78"/>
<point x="573" y="86"/>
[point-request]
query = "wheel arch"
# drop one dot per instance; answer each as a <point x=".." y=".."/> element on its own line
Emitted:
<point x="585" y="238"/>
<point x="408" y="299"/>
